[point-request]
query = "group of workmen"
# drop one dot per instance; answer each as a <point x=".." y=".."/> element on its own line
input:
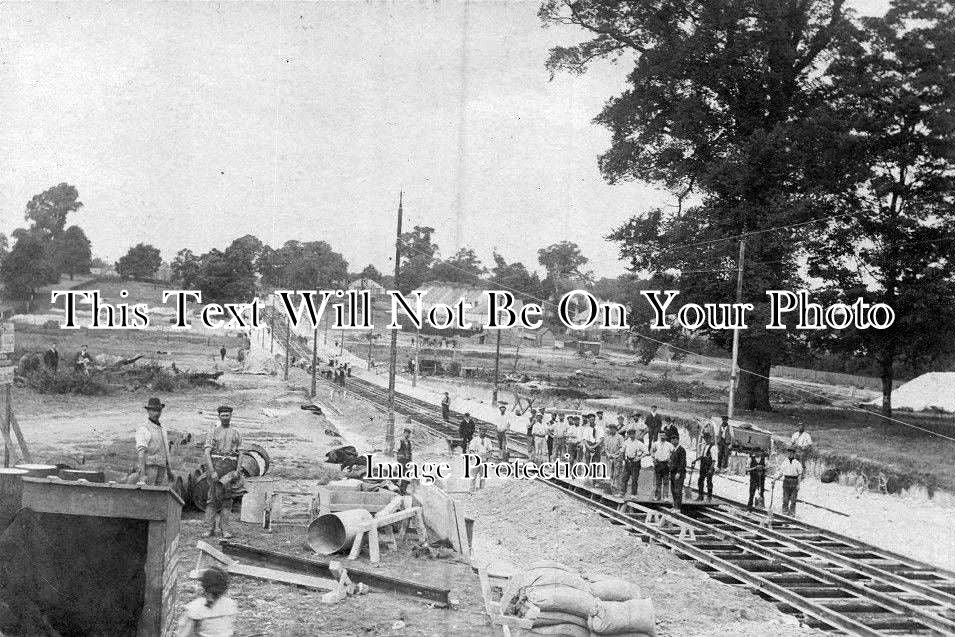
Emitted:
<point x="221" y="453"/>
<point x="625" y="445"/>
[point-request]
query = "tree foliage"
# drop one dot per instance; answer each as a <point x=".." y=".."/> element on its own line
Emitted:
<point x="418" y="254"/>
<point x="305" y="265"/>
<point x="73" y="252"/>
<point x="463" y="267"/>
<point x="141" y="262"/>
<point x="562" y="263"/>
<point x="515" y="277"/>
<point x="47" y="211"/>
<point x="893" y="88"/>
<point x="23" y="269"/>
<point x="721" y="102"/>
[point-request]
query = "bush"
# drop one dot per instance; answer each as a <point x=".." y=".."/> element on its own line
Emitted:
<point x="45" y="382"/>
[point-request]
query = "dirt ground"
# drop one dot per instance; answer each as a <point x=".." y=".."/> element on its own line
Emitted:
<point x="515" y="521"/>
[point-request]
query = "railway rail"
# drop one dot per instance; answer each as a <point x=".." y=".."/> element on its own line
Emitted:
<point x="828" y="580"/>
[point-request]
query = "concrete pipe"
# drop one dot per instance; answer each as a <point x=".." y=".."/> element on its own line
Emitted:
<point x="334" y="532"/>
<point x="38" y="470"/>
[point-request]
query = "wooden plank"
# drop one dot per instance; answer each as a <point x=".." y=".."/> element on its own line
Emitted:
<point x="392" y="518"/>
<point x="150" y="620"/>
<point x="284" y="577"/>
<point x="20" y="439"/>
<point x="88" y="498"/>
<point x="438" y="514"/>
<point x="373" y="546"/>
<point x="322" y="566"/>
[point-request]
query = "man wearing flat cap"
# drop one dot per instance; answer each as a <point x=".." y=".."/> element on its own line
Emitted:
<point x="152" y="449"/>
<point x="222" y="468"/>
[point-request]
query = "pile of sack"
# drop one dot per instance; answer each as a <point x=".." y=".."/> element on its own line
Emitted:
<point x="561" y="602"/>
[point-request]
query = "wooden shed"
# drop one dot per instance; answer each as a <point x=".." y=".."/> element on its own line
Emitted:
<point x="93" y="558"/>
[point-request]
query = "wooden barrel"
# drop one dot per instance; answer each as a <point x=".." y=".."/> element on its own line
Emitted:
<point x="89" y="475"/>
<point x="11" y="494"/>
<point x="38" y="470"/>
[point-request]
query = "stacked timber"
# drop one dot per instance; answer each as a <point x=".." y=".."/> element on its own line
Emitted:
<point x="558" y="601"/>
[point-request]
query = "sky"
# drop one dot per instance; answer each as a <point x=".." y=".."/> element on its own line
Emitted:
<point x="186" y="125"/>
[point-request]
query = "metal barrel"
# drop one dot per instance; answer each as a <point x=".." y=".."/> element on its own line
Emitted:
<point x="199" y="492"/>
<point x="255" y="460"/>
<point x="334" y="532"/>
<point x="38" y="470"/>
<point x="82" y="474"/>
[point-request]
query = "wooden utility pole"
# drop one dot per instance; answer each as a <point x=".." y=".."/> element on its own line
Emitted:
<point x="393" y="354"/>
<point x="371" y="330"/>
<point x="314" y="358"/>
<point x="734" y="370"/>
<point x="497" y="367"/>
<point x="417" y="344"/>
<point x="272" y="326"/>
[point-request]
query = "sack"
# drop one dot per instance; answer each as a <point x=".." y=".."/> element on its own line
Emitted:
<point x="622" y="618"/>
<point x="548" y="577"/>
<point x="562" y="599"/>
<point x="554" y="618"/>
<point x="564" y="630"/>
<point x="614" y="590"/>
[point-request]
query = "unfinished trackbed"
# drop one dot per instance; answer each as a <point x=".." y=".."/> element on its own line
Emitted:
<point x="827" y="580"/>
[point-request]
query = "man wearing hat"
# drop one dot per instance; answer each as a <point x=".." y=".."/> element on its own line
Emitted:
<point x="612" y="453"/>
<point x="403" y="456"/>
<point x="152" y="449"/>
<point x="222" y="470"/>
<point x="791" y="473"/>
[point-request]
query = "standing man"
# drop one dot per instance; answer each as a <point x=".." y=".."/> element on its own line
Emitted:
<point x="654" y="424"/>
<point x="222" y="353"/>
<point x="802" y="443"/>
<point x="791" y="473"/>
<point x="611" y="454"/>
<point x="539" y="433"/>
<point x="670" y="429"/>
<point x="724" y="440"/>
<point x="560" y="437"/>
<point x="621" y="425"/>
<point x="693" y="429"/>
<point x="530" y="432"/>
<point x="51" y="358"/>
<point x="633" y="450"/>
<point x="152" y="449"/>
<point x="83" y="361"/>
<point x="403" y="456"/>
<point x="573" y="438"/>
<point x="446" y="407"/>
<point x="707" y="468"/>
<point x="222" y="444"/>
<point x="661" y="464"/>
<point x="588" y="438"/>
<point x="757" y="478"/>
<point x="677" y="474"/>
<point x="480" y="447"/>
<point x="466" y="431"/>
<point x="502" y="426"/>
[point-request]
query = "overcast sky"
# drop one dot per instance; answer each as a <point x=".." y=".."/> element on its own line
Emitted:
<point x="187" y="125"/>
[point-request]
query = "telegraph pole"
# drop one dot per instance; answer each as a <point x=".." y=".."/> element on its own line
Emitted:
<point x="417" y="344"/>
<point x="314" y="357"/>
<point x="288" y="337"/>
<point x="497" y="366"/>
<point x="734" y="370"/>
<point x="371" y="331"/>
<point x="393" y="355"/>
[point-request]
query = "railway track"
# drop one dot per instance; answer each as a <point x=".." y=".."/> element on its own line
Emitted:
<point x="826" y="579"/>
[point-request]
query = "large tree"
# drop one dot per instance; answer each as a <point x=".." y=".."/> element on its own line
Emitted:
<point x="719" y="105"/>
<point x="418" y="254"/>
<point x="47" y="211"/>
<point x="306" y="265"/>
<point x="515" y="277"/>
<point x="463" y="267"/>
<point x="23" y="270"/>
<point x="894" y="89"/>
<point x="563" y="263"/>
<point x="72" y="251"/>
<point x="141" y="262"/>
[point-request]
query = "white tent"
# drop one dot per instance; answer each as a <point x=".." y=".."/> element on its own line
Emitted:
<point x="931" y="390"/>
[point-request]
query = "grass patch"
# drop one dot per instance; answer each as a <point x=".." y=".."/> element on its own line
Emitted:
<point x="45" y="382"/>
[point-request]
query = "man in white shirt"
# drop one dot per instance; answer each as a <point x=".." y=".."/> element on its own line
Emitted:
<point x="801" y="442"/>
<point x="661" y="451"/>
<point x="573" y="438"/>
<point x="588" y="439"/>
<point x="633" y="451"/>
<point x="539" y="432"/>
<point x="502" y="426"/>
<point x="560" y="436"/>
<point x="480" y="447"/>
<point x="790" y="472"/>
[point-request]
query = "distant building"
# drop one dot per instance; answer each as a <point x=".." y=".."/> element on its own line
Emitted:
<point x="450" y="294"/>
<point x="377" y="290"/>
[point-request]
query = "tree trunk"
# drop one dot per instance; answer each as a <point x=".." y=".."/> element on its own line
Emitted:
<point x="753" y="389"/>
<point x="887" y="375"/>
